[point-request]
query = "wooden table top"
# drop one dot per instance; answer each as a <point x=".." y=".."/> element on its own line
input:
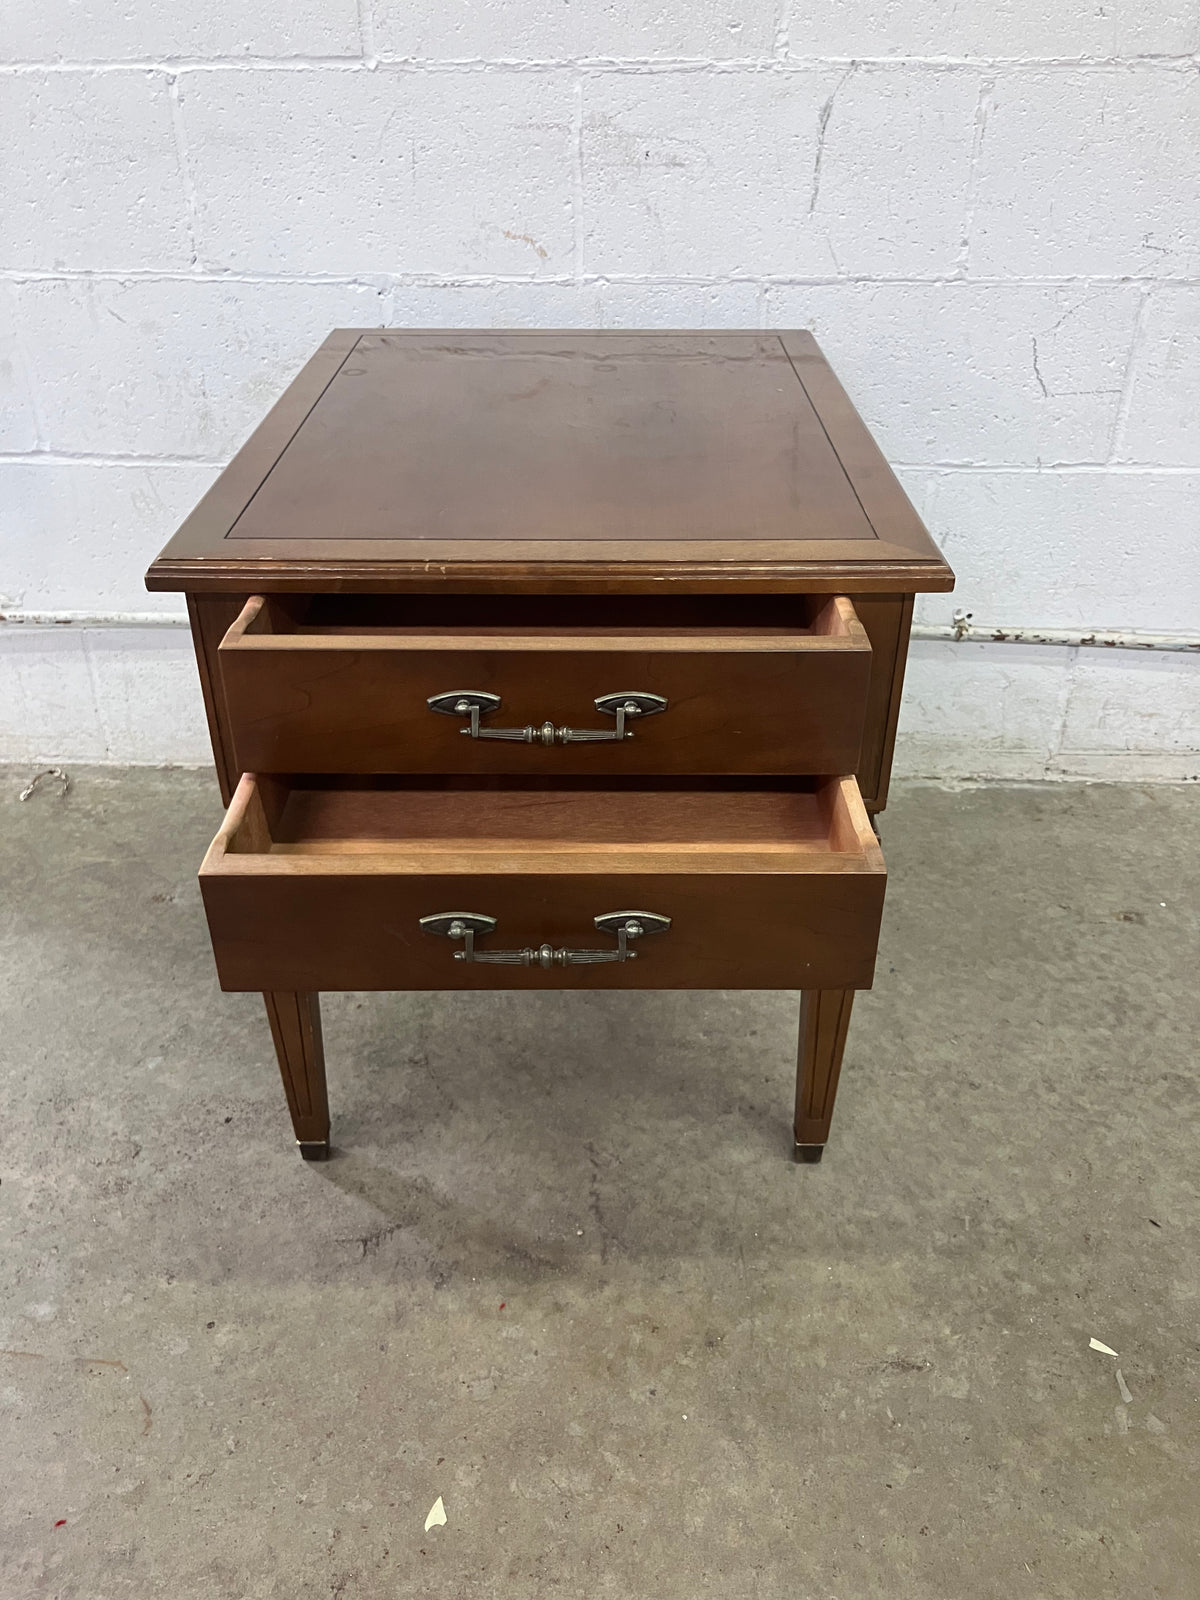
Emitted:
<point x="604" y="462"/>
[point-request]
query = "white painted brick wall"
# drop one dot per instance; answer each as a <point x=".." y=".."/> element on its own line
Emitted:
<point x="1097" y="538"/>
<point x="1017" y="711"/>
<point x="1080" y="172"/>
<point x="74" y="537"/>
<point x="158" y="30"/>
<point x="985" y="212"/>
<point x="668" y="192"/>
<point x="1008" y="30"/>
<point x="18" y="428"/>
<point x="1018" y="374"/>
<point x="90" y="177"/>
<point x="152" y="367"/>
<point x="464" y="30"/>
<point x="1162" y="423"/>
<point x="448" y="173"/>
<point x="76" y="694"/>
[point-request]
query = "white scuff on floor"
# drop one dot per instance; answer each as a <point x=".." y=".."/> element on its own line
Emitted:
<point x="56" y="773"/>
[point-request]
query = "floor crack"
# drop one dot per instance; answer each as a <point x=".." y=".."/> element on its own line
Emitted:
<point x="607" y="1236"/>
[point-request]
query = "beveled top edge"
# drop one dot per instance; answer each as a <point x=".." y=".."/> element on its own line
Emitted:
<point x="467" y="576"/>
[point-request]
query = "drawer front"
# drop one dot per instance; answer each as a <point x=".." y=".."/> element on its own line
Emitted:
<point x="783" y="912"/>
<point x="710" y="701"/>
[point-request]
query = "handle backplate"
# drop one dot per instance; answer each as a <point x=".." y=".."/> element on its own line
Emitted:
<point x="625" y="926"/>
<point x="474" y="704"/>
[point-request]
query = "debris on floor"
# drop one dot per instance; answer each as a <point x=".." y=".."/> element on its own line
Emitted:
<point x="1124" y="1388"/>
<point x="437" y="1515"/>
<point x="47" y="772"/>
<point x="1104" y="1349"/>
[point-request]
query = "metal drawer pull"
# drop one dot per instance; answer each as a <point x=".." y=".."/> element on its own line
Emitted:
<point x="464" y="925"/>
<point x="476" y="703"/>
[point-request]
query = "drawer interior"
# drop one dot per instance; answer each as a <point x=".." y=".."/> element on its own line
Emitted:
<point x="772" y="620"/>
<point x="528" y="825"/>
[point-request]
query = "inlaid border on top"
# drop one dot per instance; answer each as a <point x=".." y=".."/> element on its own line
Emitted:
<point x="901" y="558"/>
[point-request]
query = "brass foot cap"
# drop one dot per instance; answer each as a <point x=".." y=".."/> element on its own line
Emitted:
<point x="808" y="1152"/>
<point x="313" y="1149"/>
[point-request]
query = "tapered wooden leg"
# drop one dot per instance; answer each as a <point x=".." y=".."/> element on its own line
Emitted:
<point x="296" y="1028"/>
<point x="824" y="1020"/>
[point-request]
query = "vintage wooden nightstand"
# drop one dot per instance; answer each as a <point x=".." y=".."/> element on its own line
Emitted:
<point x="552" y="660"/>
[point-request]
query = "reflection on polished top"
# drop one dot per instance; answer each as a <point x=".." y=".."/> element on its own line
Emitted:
<point x="580" y="437"/>
<point x="689" y="454"/>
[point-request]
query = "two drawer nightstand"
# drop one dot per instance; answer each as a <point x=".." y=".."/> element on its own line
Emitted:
<point x="552" y="660"/>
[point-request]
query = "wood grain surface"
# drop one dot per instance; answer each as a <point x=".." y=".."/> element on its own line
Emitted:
<point x="744" y="695"/>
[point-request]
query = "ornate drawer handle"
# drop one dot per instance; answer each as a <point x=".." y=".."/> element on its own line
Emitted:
<point x="476" y="703"/>
<point x="464" y="925"/>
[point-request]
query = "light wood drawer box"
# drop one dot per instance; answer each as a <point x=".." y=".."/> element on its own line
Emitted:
<point x="310" y="886"/>
<point x="343" y="684"/>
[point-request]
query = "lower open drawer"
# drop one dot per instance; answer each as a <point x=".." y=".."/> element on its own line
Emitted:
<point x="407" y="884"/>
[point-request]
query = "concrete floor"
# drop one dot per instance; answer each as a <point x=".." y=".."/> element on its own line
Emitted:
<point x="562" y="1272"/>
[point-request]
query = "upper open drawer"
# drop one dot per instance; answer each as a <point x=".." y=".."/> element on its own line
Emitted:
<point x="546" y="684"/>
